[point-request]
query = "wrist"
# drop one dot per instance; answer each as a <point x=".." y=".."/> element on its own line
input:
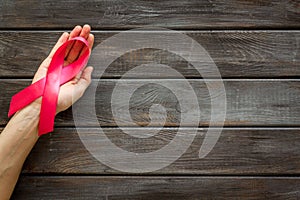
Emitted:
<point x="30" y="112"/>
<point x="25" y="122"/>
<point x="35" y="106"/>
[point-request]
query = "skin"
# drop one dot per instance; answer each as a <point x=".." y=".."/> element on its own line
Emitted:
<point x="21" y="132"/>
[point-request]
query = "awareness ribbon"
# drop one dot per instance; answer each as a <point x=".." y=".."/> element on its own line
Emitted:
<point x="49" y="86"/>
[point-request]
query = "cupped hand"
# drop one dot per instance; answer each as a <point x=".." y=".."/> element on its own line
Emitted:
<point x="71" y="91"/>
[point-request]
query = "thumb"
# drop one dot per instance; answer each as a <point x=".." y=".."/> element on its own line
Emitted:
<point x="83" y="82"/>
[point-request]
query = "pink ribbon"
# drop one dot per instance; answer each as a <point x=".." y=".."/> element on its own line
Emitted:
<point x="48" y="87"/>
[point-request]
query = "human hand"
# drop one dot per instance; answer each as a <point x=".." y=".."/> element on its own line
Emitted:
<point x="71" y="91"/>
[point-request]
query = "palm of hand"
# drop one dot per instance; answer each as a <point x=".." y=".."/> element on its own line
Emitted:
<point x="71" y="91"/>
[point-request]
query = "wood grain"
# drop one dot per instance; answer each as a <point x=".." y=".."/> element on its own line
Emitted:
<point x="237" y="54"/>
<point x="251" y="102"/>
<point x="162" y="187"/>
<point x="255" y="45"/>
<point x="124" y="14"/>
<point x="248" y="151"/>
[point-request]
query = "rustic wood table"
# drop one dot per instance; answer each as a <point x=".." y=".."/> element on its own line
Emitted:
<point x="256" y="47"/>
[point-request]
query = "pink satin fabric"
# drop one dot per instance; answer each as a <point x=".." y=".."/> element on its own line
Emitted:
<point x="48" y="87"/>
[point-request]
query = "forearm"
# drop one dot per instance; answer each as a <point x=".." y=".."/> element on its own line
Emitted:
<point x="16" y="141"/>
<point x="21" y="133"/>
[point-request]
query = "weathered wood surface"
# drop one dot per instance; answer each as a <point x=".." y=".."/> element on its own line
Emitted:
<point x="248" y="151"/>
<point x="249" y="102"/>
<point x="237" y="54"/>
<point x="255" y="45"/>
<point x="124" y="14"/>
<point x="165" y="187"/>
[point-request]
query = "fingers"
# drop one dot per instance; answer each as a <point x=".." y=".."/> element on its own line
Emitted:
<point x="90" y="41"/>
<point x="77" y="47"/>
<point x="74" y="33"/>
<point x="72" y="52"/>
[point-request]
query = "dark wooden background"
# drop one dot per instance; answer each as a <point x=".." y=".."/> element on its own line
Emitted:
<point x="255" y="44"/>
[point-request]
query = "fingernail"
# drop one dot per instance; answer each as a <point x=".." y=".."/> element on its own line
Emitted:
<point x="77" y="27"/>
<point x="87" y="26"/>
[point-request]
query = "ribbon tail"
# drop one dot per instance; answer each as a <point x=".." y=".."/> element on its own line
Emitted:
<point x="49" y="101"/>
<point x="26" y="96"/>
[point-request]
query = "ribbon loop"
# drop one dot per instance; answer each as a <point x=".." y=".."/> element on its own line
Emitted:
<point x="49" y="86"/>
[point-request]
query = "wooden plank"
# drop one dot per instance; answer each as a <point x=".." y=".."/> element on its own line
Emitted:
<point x="165" y="187"/>
<point x="250" y="102"/>
<point x="236" y="53"/>
<point x="239" y="151"/>
<point x="124" y="14"/>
